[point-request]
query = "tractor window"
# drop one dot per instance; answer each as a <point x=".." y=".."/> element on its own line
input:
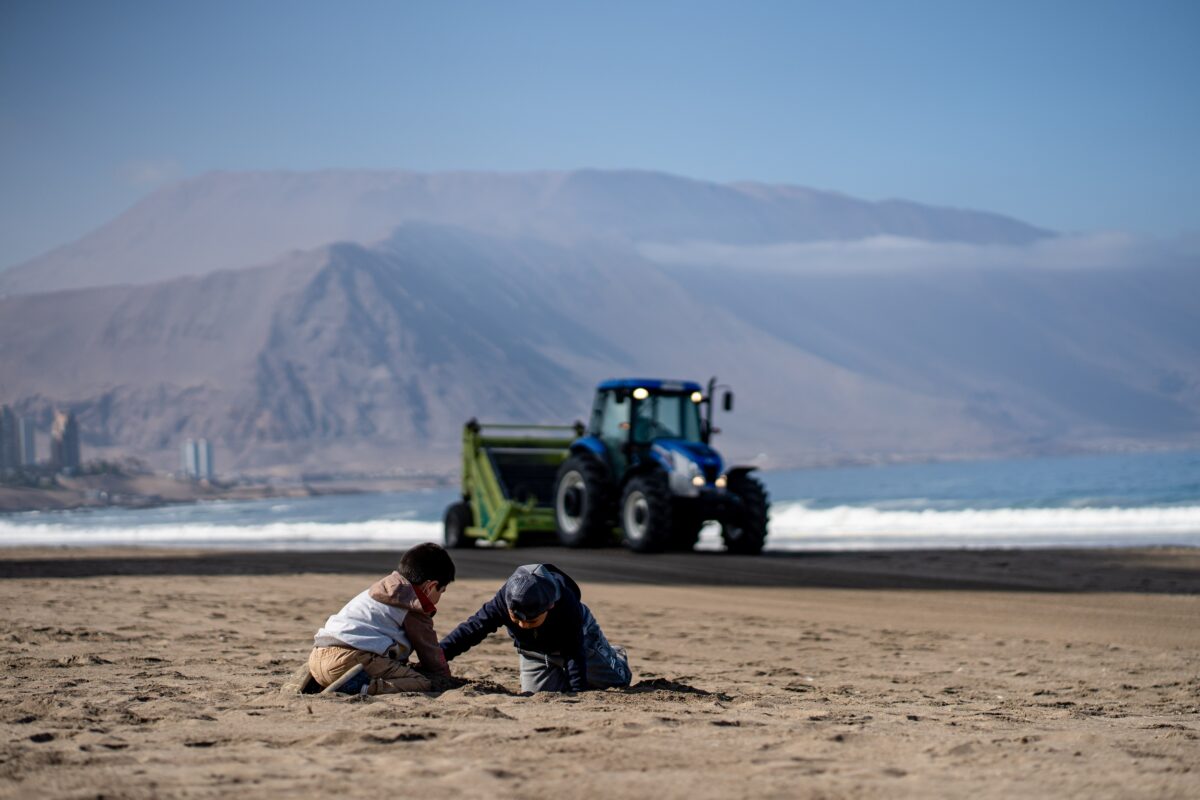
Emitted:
<point x="667" y="416"/>
<point x="609" y="417"/>
<point x="689" y="418"/>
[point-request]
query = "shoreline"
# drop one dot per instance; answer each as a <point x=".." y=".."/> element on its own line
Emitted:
<point x="157" y="490"/>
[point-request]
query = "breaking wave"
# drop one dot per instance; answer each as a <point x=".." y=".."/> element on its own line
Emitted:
<point x="796" y="526"/>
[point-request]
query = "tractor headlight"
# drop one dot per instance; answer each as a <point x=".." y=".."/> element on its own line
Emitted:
<point x="640" y="393"/>
<point x="697" y="397"/>
<point x="722" y="482"/>
<point x="697" y="480"/>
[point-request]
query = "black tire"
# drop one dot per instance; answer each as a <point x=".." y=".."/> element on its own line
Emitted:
<point x="458" y="518"/>
<point x="746" y="531"/>
<point x="582" y="504"/>
<point x="685" y="530"/>
<point x="646" y="513"/>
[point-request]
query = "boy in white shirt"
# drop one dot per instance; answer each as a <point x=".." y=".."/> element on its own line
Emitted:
<point x="364" y="648"/>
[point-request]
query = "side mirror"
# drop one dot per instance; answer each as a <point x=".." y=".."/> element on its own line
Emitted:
<point x="728" y="401"/>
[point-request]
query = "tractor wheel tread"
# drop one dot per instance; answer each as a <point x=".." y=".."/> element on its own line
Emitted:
<point x="657" y="532"/>
<point x="746" y="533"/>
<point x="458" y="518"/>
<point x="594" y="526"/>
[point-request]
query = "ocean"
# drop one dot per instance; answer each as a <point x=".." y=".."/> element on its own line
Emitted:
<point x="1088" y="501"/>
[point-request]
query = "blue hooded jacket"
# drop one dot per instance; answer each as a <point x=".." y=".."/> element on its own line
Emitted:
<point x="560" y="635"/>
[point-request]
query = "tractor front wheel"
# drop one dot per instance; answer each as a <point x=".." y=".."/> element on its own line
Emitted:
<point x="746" y="532"/>
<point x="458" y="519"/>
<point x="581" y="494"/>
<point x="646" y="513"/>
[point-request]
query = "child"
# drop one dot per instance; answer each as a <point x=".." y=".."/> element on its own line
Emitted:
<point x="560" y="644"/>
<point x="363" y="649"/>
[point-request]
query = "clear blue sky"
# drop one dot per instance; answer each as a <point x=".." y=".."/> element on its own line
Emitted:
<point x="1072" y="115"/>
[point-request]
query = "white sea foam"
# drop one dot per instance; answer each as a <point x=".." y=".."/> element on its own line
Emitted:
<point x="794" y="526"/>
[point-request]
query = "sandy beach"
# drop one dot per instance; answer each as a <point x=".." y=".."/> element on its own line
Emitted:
<point x="132" y="673"/>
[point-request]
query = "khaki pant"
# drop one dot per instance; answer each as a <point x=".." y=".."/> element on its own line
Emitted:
<point x="387" y="675"/>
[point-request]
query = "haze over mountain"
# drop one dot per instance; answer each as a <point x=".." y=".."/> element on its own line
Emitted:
<point x="353" y="320"/>
<point x="225" y="220"/>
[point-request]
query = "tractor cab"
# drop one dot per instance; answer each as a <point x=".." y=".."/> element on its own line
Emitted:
<point x="631" y="415"/>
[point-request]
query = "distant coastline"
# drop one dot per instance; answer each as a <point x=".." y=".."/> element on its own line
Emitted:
<point x="147" y="489"/>
<point x="152" y="490"/>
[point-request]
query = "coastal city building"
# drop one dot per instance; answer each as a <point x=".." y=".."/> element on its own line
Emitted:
<point x="198" y="459"/>
<point x="10" y="445"/>
<point x="26" y="433"/>
<point x="64" y="441"/>
<point x="204" y="459"/>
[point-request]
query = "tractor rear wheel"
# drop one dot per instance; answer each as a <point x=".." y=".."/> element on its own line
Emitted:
<point x="457" y="520"/>
<point x="646" y="513"/>
<point x="581" y="502"/>
<point x="747" y="530"/>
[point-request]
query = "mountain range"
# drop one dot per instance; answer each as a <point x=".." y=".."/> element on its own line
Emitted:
<point x="352" y="321"/>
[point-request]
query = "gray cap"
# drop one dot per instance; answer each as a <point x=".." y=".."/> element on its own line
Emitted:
<point x="529" y="594"/>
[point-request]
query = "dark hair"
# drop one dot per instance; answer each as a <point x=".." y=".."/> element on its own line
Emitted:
<point x="427" y="562"/>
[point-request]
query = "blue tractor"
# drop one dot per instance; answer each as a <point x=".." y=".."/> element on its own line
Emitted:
<point x="646" y="465"/>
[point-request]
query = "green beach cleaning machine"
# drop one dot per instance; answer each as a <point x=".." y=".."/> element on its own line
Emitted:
<point x="508" y="474"/>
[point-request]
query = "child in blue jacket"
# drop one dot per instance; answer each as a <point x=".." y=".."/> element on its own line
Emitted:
<point x="560" y="645"/>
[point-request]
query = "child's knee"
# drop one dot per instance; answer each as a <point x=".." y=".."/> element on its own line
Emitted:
<point x="537" y="677"/>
